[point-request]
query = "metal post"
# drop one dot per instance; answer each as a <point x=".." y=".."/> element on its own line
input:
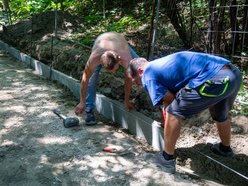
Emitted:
<point x="151" y="30"/>
<point x="154" y="31"/>
<point x="55" y="19"/>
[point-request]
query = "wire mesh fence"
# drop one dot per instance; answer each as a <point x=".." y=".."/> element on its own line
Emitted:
<point x="216" y="27"/>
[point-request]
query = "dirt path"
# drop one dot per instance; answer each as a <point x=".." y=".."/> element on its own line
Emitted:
<point x="35" y="148"/>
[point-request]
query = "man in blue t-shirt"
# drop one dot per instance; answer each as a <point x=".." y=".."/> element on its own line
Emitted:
<point x="186" y="83"/>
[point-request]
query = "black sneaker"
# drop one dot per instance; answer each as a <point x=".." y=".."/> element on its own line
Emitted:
<point x="166" y="165"/>
<point x="90" y="118"/>
<point x="216" y="149"/>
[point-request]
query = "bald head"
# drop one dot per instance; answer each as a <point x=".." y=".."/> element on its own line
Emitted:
<point x="134" y="65"/>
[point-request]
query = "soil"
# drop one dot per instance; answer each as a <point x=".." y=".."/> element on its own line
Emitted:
<point x="35" y="148"/>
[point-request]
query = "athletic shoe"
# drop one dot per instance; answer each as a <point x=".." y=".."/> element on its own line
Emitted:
<point x="166" y="165"/>
<point x="90" y="118"/>
<point x="216" y="149"/>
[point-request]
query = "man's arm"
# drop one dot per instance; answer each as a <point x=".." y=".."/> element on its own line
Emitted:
<point x="128" y="86"/>
<point x="88" y="71"/>
<point x="168" y="98"/>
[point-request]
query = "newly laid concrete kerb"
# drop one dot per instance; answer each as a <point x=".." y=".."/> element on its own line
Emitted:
<point x="135" y="122"/>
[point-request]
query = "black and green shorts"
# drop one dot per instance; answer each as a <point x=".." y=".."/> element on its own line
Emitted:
<point x="217" y="95"/>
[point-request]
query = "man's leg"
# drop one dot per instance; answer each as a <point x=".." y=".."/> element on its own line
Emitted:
<point x="224" y="129"/>
<point x="219" y="111"/>
<point x="165" y="159"/>
<point x="223" y="148"/>
<point x="91" y="97"/>
<point x="171" y="132"/>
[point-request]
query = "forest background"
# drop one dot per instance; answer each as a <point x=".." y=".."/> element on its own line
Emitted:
<point x="65" y="34"/>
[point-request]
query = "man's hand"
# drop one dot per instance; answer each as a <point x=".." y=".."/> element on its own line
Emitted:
<point x="129" y="105"/>
<point x="163" y="116"/>
<point x="79" y="109"/>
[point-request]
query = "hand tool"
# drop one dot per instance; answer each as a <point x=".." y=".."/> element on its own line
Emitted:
<point x="110" y="149"/>
<point x="67" y="121"/>
<point x="163" y="116"/>
<point x="117" y="151"/>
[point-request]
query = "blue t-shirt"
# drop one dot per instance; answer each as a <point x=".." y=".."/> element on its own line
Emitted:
<point x="177" y="70"/>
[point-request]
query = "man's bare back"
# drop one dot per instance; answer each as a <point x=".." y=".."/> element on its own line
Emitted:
<point x="106" y="42"/>
<point x="111" y="41"/>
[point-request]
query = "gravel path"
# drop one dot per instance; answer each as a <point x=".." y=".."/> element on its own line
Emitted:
<point x="35" y="148"/>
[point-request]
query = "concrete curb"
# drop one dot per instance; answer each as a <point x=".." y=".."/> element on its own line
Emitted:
<point x="137" y="123"/>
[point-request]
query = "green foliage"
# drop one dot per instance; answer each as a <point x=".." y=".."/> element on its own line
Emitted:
<point x="92" y="19"/>
<point x="87" y="40"/>
<point x="199" y="3"/>
<point x="121" y="69"/>
<point x="23" y="9"/>
<point x="103" y="25"/>
<point x="244" y="54"/>
<point x="122" y="24"/>
<point x="241" y="106"/>
<point x="86" y="7"/>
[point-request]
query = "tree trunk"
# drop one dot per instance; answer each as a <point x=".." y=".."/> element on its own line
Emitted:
<point x="62" y="7"/>
<point x="234" y="27"/>
<point x="176" y="20"/>
<point x="216" y="20"/>
<point x="6" y="5"/>
<point x="211" y="21"/>
<point x="219" y="28"/>
<point x="7" y="10"/>
<point x="244" y="37"/>
<point x="151" y="30"/>
<point x="191" y="21"/>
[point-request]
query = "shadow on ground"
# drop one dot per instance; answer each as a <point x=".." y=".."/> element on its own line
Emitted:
<point x="228" y="171"/>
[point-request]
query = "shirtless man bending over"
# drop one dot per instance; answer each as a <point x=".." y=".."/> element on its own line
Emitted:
<point x="109" y="50"/>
